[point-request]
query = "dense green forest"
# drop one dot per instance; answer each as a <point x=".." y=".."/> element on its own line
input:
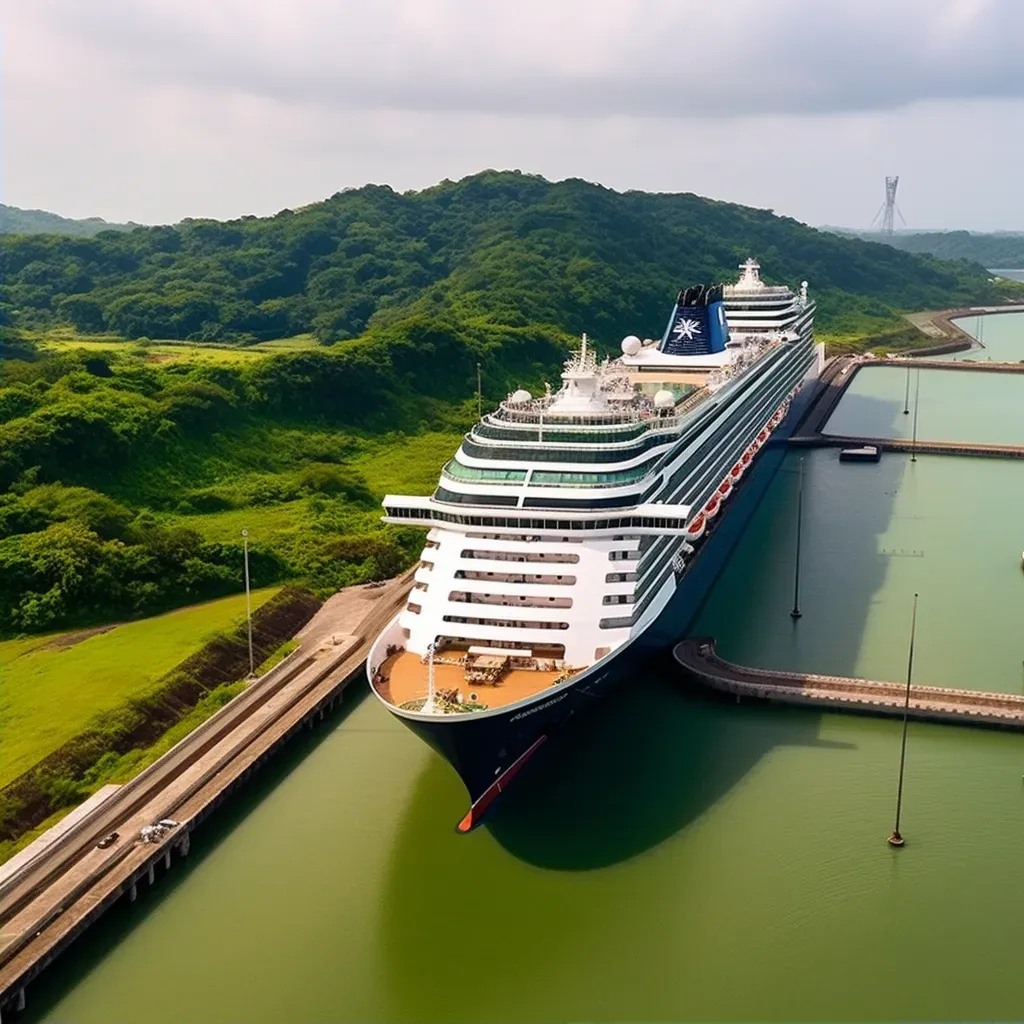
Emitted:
<point x="505" y="248"/>
<point x="125" y="478"/>
<point x="123" y="484"/>
<point x="14" y="221"/>
<point x="1003" y="250"/>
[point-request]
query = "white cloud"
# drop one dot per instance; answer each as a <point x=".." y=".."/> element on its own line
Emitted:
<point x="154" y="109"/>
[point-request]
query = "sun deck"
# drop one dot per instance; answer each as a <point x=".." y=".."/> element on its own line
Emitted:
<point x="402" y="680"/>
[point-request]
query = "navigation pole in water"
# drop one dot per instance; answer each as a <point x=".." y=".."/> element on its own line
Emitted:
<point x="917" y="395"/>
<point x="796" y="613"/>
<point x="896" y="839"/>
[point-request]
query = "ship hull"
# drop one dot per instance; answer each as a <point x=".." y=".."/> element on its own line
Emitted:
<point x="489" y="751"/>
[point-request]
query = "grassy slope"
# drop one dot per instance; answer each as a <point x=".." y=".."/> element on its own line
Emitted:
<point x="49" y="695"/>
<point x="390" y="465"/>
<point x="64" y="339"/>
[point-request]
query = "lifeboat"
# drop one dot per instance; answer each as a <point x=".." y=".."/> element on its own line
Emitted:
<point x="747" y="456"/>
<point x="736" y="471"/>
<point x="696" y="529"/>
<point x="711" y="508"/>
<point x="724" y="488"/>
<point x="763" y="436"/>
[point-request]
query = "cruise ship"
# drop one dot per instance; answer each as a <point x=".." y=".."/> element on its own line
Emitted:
<point x="576" y="532"/>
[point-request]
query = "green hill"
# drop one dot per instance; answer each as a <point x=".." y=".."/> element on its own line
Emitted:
<point x="1002" y="249"/>
<point x="126" y="477"/>
<point x="507" y="248"/>
<point x="14" y="221"/>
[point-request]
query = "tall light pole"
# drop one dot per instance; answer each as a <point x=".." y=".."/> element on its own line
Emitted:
<point x="896" y="839"/>
<point x="796" y="613"/>
<point x="248" y="601"/>
<point x="906" y="393"/>
<point x="917" y="396"/>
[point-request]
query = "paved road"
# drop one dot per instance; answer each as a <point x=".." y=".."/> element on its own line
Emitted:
<point x="69" y="884"/>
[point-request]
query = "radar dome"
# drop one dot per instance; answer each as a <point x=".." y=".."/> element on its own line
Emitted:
<point x="520" y="396"/>
<point x="664" y="400"/>
<point x="631" y="345"/>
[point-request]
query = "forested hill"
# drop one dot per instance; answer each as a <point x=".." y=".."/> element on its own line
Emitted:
<point x="14" y="221"/>
<point x="1003" y="250"/>
<point x="506" y="247"/>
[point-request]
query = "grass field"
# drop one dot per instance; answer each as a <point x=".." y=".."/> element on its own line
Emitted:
<point x="49" y="693"/>
<point x="162" y="351"/>
<point x="405" y="465"/>
<point x="395" y="465"/>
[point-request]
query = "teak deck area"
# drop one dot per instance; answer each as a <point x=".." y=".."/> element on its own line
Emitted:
<point x="404" y="678"/>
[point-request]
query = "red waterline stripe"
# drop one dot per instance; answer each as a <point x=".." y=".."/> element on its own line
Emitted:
<point x="476" y="811"/>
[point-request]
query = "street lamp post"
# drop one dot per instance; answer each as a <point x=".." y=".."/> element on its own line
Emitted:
<point x="906" y="394"/>
<point x="248" y="601"/>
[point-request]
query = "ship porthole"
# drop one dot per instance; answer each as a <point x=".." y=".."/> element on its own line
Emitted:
<point x="472" y="697"/>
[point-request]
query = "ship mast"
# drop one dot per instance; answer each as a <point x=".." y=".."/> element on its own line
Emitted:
<point x="429" y="707"/>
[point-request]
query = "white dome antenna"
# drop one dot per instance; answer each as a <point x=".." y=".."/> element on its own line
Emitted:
<point x="631" y="344"/>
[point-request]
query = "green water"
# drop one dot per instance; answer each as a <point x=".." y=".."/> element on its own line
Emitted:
<point x="1002" y="335"/>
<point x="954" y="405"/>
<point x="671" y="856"/>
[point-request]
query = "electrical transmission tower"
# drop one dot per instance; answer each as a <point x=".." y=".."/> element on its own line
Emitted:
<point x="888" y="211"/>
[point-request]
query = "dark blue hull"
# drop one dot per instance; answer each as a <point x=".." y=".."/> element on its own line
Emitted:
<point x="489" y="751"/>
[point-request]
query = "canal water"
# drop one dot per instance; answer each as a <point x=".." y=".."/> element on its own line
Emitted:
<point x="1002" y="336"/>
<point x="672" y="856"/>
<point x="955" y="405"/>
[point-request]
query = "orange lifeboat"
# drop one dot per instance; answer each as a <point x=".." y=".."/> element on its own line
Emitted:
<point x="747" y="456"/>
<point x="696" y="529"/>
<point x="711" y="508"/>
<point x="736" y="471"/>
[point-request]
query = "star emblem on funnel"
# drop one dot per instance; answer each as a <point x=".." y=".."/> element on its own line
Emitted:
<point x="686" y="328"/>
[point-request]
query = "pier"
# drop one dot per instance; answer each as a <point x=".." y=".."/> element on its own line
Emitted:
<point x="701" y="662"/>
<point x="888" y="444"/>
<point x="55" y="895"/>
<point x="839" y="374"/>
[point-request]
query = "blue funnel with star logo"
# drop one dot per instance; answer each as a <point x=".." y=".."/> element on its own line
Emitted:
<point x="697" y="326"/>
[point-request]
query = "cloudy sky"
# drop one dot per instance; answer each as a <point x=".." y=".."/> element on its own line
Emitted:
<point x="153" y="110"/>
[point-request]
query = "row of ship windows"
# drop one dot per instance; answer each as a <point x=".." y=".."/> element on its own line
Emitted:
<point x="547" y="478"/>
<point x="515" y="577"/>
<point x="619" y="622"/>
<point x="510" y="624"/>
<point x="523" y="601"/>
<point x="509" y="600"/>
<point x="566" y="558"/>
<point x="625" y="450"/>
<point x="515" y="523"/>
<point x="531" y="433"/>
<point x="528" y="578"/>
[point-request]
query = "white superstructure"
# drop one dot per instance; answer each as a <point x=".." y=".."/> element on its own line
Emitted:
<point x="563" y="523"/>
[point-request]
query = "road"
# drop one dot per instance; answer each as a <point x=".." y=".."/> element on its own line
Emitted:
<point x="55" y="896"/>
